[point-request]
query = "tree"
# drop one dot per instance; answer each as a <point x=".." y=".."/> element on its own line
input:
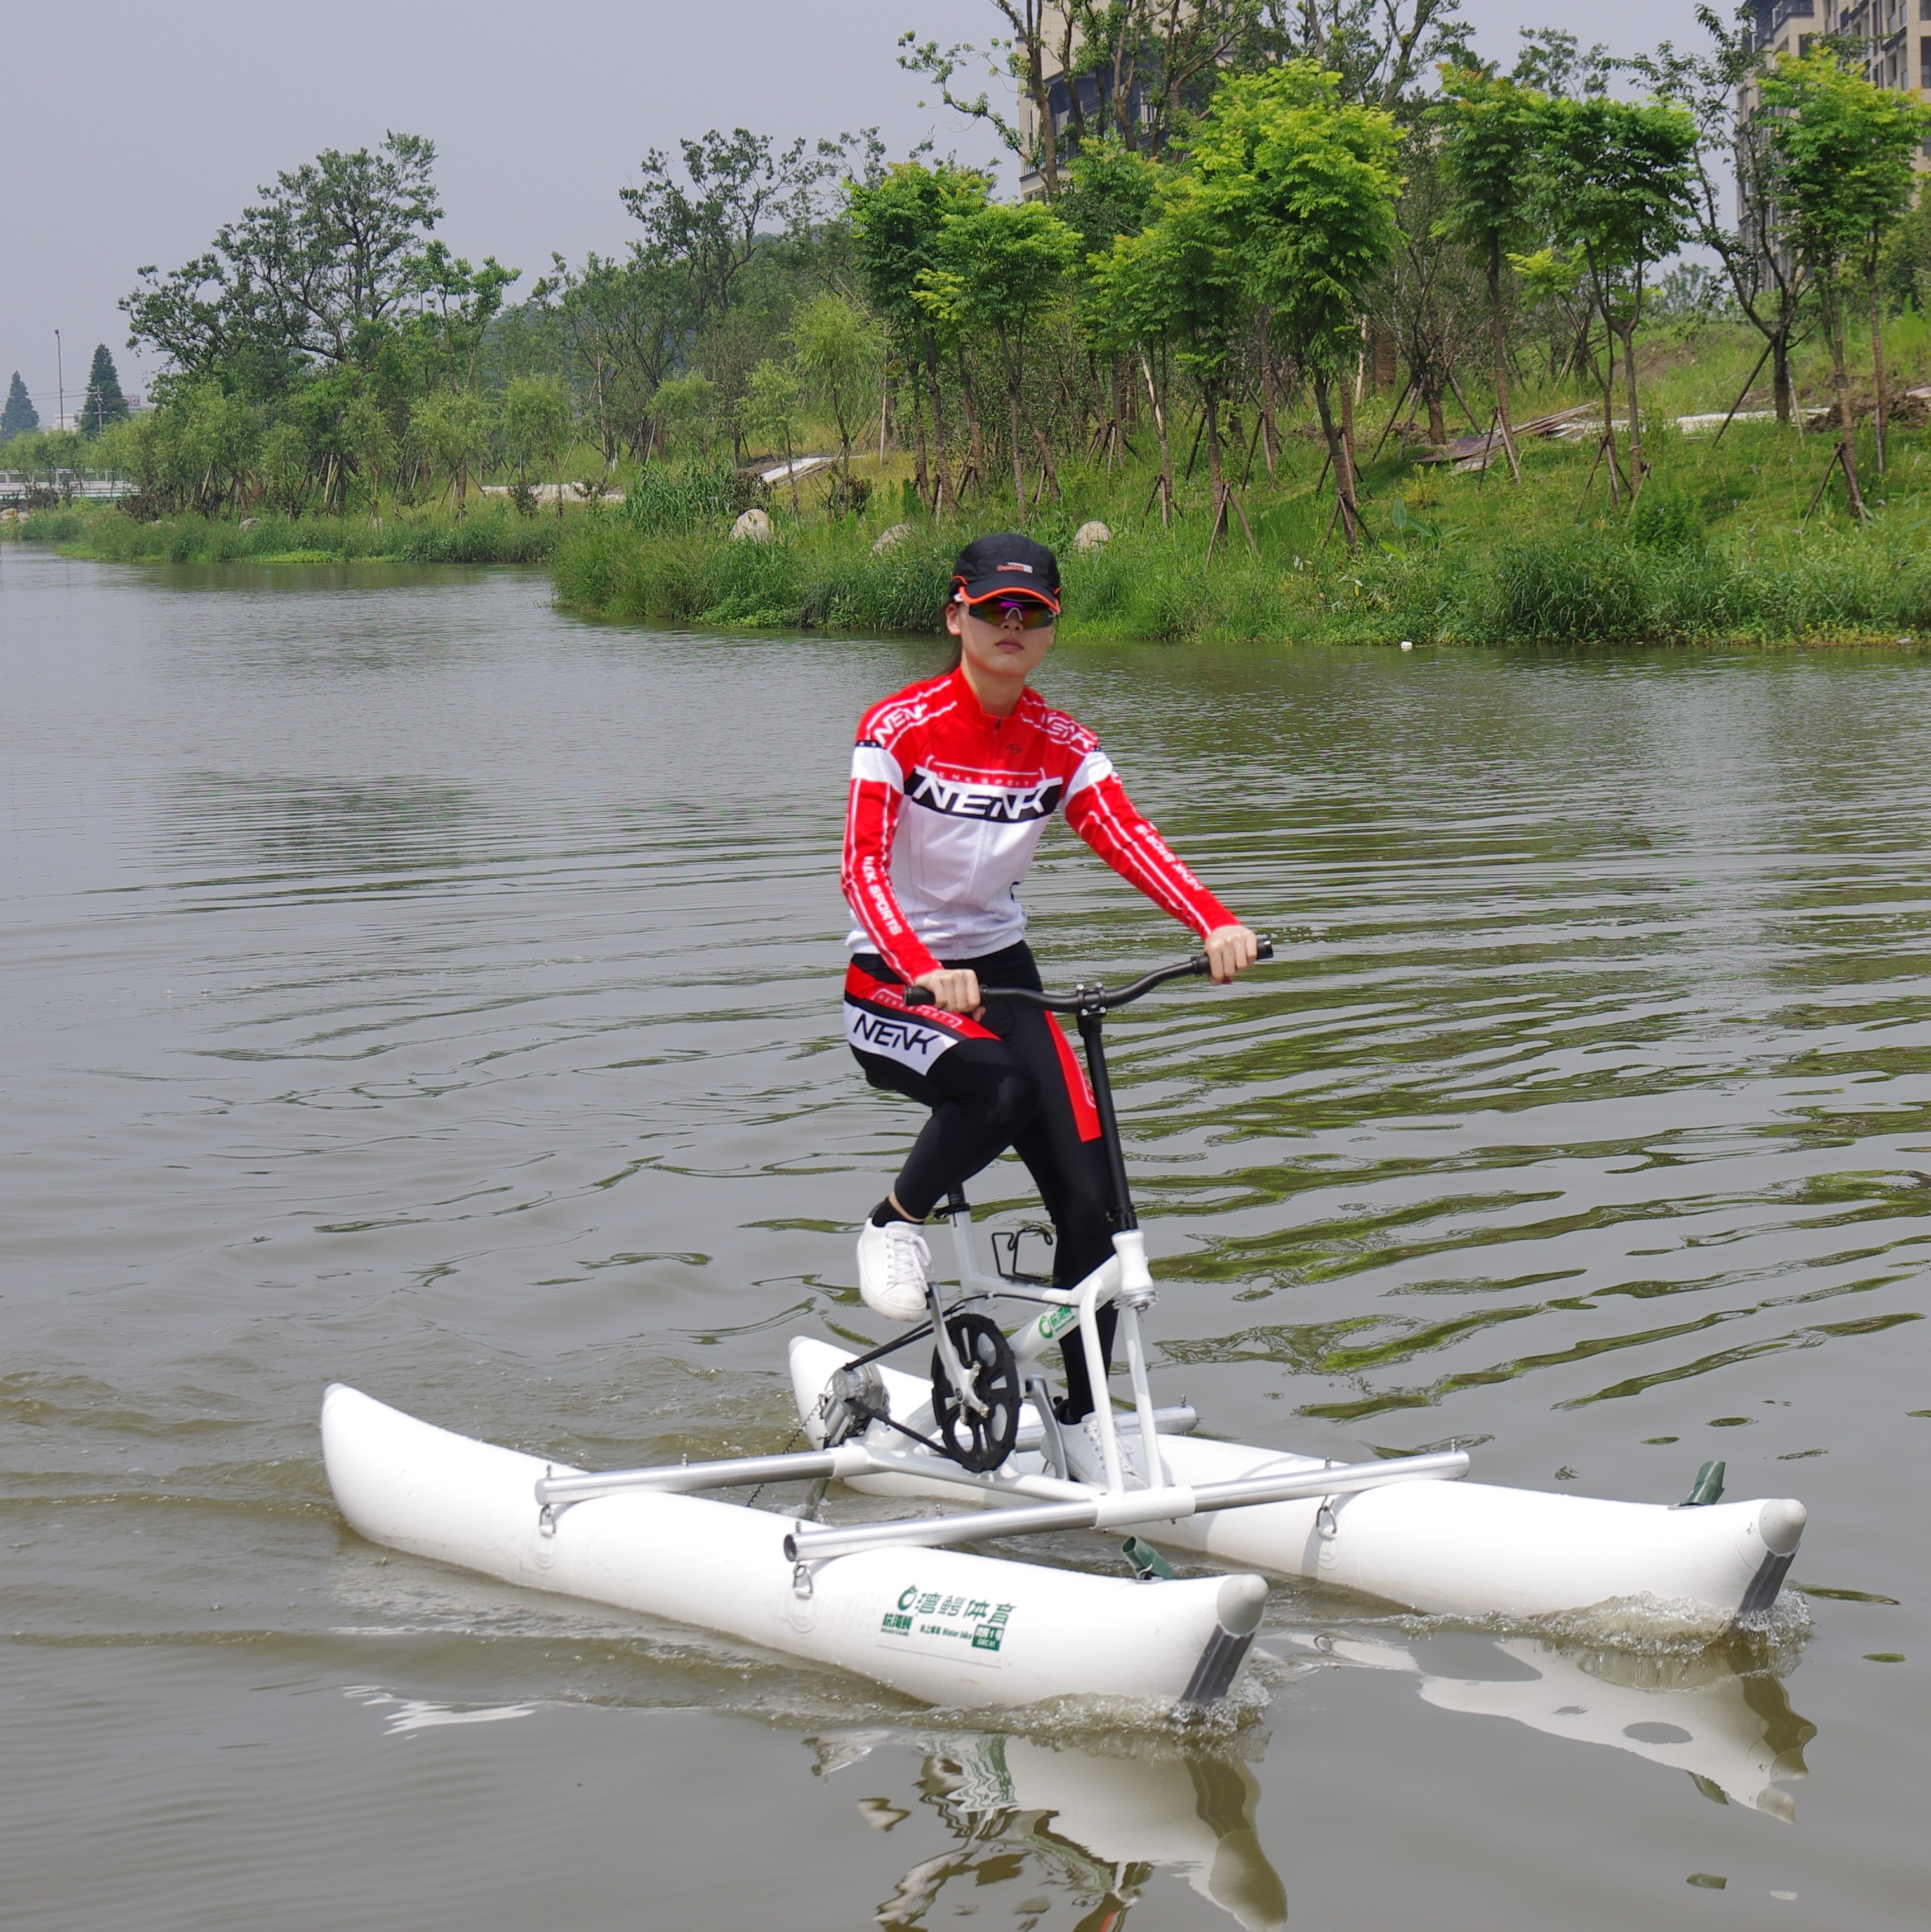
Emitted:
<point x="740" y="186"/>
<point x="1308" y="183"/>
<point x="452" y="428"/>
<point x="897" y="221"/>
<point x="838" y="353"/>
<point x="771" y="409"/>
<point x="19" y="415"/>
<point x="104" y="403"/>
<point x="1492" y="124"/>
<point x="1148" y="66"/>
<point x="626" y="319"/>
<point x="686" y="406"/>
<point x="1181" y="281"/>
<point x="282" y="465"/>
<point x="1735" y="154"/>
<point x="1842" y="153"/>
<point x="368" y="438"/>
<point x="1002" y="267"/>
<point x="536" y="423"/>
<point x="1112" y="191"/>
<point x="1376" y="47"/>
<point x="1907" y="257"/>
<point x="334" y="263"/>
<point x="1615" y="177"/>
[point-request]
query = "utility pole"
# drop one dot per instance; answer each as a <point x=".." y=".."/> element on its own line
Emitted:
<point x="60" y="368"/>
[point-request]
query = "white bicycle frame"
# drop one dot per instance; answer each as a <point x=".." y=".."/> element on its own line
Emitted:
<point x="1122" y="1280"/>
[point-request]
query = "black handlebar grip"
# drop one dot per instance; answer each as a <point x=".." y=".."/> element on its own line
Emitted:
<point x="919" y="996"/>
<point x="1265" y="950"/>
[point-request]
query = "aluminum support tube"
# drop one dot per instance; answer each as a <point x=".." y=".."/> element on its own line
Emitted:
<point x="1117" y="1509"/>
<point x="805" y="1466"/>
<point x="849" y="1458"/>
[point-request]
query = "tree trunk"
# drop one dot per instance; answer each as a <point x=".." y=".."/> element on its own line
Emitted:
<point x="1437" y="424"/>
<point x="920" y="474"/>
<point x="941" y="476"/>
<point x="1218" y="528"/>
<point x="975" y="440"/>
<point x="1011" y="362"/>
<point x="1877" y="353"/>
<point x="1166" y="450"/>
<point x="1782" y="391"/>
<point x="1347" y="475"/>
<point x="1269" y="441"/>
<point x="1840" y="382"/>
<point x="1635" y="420"/>
<point x="1498" y="335"/>
<point x="1609" y="416"/>
<point x="1046" y="469"/>
<point x="1042" y="106"/>
<point x="1337" y="456"/>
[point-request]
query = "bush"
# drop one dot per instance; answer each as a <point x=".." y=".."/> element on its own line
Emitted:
<point x="659" y="499"/>
<point x="500" y="537"/>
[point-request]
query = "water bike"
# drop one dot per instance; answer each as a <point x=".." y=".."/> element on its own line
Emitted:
<point x="899" y="1601"/>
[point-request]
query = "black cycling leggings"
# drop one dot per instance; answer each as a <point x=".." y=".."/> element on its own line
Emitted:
<point x="1011" y="1082"/>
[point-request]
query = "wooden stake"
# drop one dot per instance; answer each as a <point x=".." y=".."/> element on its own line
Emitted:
<point x="1741" y="394"/>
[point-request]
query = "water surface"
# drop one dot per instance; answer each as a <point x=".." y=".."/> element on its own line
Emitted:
<point x="407" y="984"/>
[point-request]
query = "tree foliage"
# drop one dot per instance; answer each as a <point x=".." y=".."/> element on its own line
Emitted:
<point x="103" y="405"/>
<point x="19" y="415"/>
<point x="1251" y="215"/>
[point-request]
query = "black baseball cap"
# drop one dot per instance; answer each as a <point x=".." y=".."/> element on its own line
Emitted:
<point x="1006" y="565"/>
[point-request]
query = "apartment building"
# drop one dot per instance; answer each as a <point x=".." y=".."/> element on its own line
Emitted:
<point x="1895" y="36"/>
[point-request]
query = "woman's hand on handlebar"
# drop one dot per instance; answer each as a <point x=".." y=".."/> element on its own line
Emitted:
<point x="1230" y="950"/>
<point x="956" y="989"/>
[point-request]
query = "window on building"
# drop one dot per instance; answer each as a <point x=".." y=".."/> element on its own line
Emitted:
<point x="1924" y="60"/>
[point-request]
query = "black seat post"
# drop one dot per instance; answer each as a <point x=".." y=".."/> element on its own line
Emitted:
<point x="1091" y="1019"/>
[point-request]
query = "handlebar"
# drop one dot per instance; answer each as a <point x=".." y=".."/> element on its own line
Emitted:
<point x="1097" y="998"/>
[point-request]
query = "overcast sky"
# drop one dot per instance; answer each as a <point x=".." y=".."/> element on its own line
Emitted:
<point x="134" y="130"/>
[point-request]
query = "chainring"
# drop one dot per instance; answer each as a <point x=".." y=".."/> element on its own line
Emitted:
<point x="974" y="1441"/>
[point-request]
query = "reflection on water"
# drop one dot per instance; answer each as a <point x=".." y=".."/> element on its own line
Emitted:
<point x="1720" y="1713"/>
<point x="1085" y="1829"/>
<point x="1077" y="1829"/>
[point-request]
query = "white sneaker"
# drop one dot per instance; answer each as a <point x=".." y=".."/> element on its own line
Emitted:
<point x="892" y="1265"/>
<point x="1086" y="1461"/>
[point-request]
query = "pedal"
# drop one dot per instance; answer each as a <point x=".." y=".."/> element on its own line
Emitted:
<point x="854" y="1399"/>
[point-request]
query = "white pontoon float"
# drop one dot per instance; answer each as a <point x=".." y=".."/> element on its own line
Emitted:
<point x="895" y="1601"/>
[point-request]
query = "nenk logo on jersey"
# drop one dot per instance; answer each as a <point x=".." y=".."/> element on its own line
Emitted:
<point x="1010" y="804"/>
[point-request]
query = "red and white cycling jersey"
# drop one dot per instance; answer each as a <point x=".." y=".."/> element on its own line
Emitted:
<point x="946" y="809"/>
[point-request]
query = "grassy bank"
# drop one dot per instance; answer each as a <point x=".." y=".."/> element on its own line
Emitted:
<point x="1718" y="550"/>
<point x="103" y="533"/>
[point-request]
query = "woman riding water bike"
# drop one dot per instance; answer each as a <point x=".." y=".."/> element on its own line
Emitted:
<point x="952" y="782"/>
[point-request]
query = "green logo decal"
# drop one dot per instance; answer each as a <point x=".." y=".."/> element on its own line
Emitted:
<point x="1054" y="1319"/>
<point x="979" y="1623"/>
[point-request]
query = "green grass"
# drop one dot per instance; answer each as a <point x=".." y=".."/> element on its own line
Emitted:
<point x="489" y="536"/>
<point x="1717" y="549"/>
